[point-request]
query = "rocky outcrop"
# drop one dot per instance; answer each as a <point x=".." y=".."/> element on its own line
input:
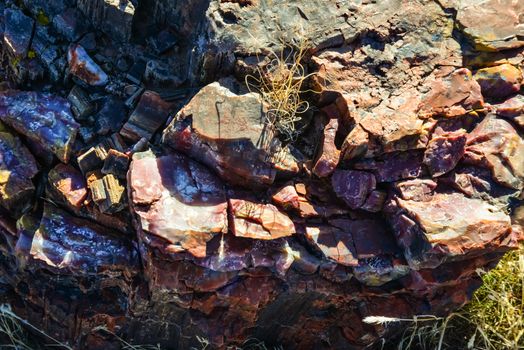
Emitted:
<point x="44" y="119"/>
<point x="499" y="81"/>
<point x="496" y="145"/>
<point x="500" y="28"/>
<point x="59" y="244"/>
<point x="179" y="213"/>
<point x="177" y="201"/>
<point x="444" y="227"/>
<point x="17" y="32"/>
<point x="113" y="17"/>
<point x="226" y="132"/>
<point x="17" y="169"/>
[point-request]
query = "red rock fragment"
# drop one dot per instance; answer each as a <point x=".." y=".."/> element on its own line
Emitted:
<point x="178" y="200"/>
<point x="353" y="186"/>
<point x="294" y="198"/>
<point x="68" y="183"/>
<point x="60" y="243"/>
<point x="452" y="95"/>
<point x="226" y="132"/>
<point x="444" y="152"/>
<point x="259" y="221"/>
<point x="336" y="244"/>
<point x="513" y="110"/>
<point x="418" y="189"/>
<point x="17" y="169"/>
<point x="496" y="145"/>
<point x="499" y="81"/>
<point x="328" y="153"/>
<point x="149" y="115"/>
<point x="449" y="227"/>
<point x="44" y="119"/>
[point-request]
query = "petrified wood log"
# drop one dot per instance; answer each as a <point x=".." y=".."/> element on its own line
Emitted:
<point x="179" y="214"/>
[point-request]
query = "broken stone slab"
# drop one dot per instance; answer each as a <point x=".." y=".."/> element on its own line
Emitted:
<point x="449" y="227"/>
<point x="451" y="95"/>
<point x="149" y="115"/>
<point x="334" y="243"/>
<point x="113" y="17"/>
<point x="418" y="190"/>
<point x="444" y="152"/>
<point x="68" y="183"/>
<point x="479" y="183"/>
<point x="43" y="118"/>
<point x="84" y="68"/>
<point x="297" y="202"/>
<point x="500" y="27"/>
<point x="512" y="109"/>
<point x="111" y="116"/>
<point x="233" y="24"/>
<point x="496" y="145"/>
<point x="71" y="245"/>
<point x="92" y="159"/>
<point x="81" y="104"/>
<point x="116" y="163"/>
<point x="328" y="154"/>
<point x="67" y="187"/>
<point x="353" y="186"/>
<point x="70" y="24"/>
<point x="18" y="31"/>
<point x="499" y="81"/>
<point x="17" y="169"/>
<point x="251" y="219"/>
<point x="381" y="133"/>
<point x="226" y="132"/>
<point x="175" y="186"/>
<point x="108" y="194"/>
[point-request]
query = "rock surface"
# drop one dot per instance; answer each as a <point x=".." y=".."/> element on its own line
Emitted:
<point x="84" y="68"/>
<point x="177" y="200"/>
<point x="17" y="32"/>
<point x="500" y="28"/>
<point x="226" y="132"/>
<point x="44" y="119"/>
<point x="177" y="216"/>
<point x="17" y="169"/>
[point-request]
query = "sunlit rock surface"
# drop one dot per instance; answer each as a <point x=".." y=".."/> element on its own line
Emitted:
<point x="44" y="119"/>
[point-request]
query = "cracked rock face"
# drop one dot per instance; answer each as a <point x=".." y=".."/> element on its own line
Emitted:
<point x="142" y="190"/>
<point x="178" y="200"/>
<point x="226" y="132"/>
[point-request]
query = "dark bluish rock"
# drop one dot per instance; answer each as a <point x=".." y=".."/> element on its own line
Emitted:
<point x="43" y="118"/>
<point x="17" y="33"/>
<point x="111" y="116"/>
<point x="71" y="24"/>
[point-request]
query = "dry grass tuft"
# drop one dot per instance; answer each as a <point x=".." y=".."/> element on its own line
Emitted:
<point x="497" y="308"/>
<point x="19" y="334"/>
<point x="281" y="84"/>
<point x="126" y="345"/>
<point x="493" y="320"/>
